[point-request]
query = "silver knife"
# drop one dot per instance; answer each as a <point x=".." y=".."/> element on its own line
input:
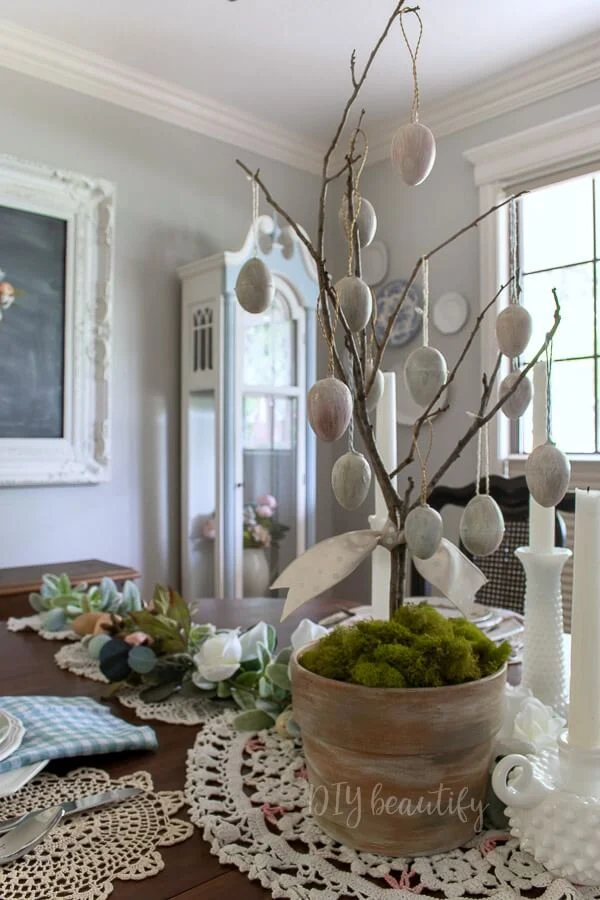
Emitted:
<point x="73" y="806"/>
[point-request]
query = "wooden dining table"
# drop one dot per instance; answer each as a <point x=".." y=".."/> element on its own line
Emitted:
<point x="27" y="667"/>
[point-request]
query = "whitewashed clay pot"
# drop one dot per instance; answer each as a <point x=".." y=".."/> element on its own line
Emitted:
<point x="376" y="392"/>
<point x="423" y="531"/>
<point x="482" y="525"/>
<point x="413" y="153"/>
<point x="366" y="222"/>
<point x="329" y="408"/>
<point x="254" y="287"/>
<point x="515" y="405"/>
<point x="356" y="301"/>
<point x="255" y="572"/>
<point x="548" y="472"/>
<point x="425" y="374"/>
<point x="351" y="480"/>
<point x="513" y="330"/>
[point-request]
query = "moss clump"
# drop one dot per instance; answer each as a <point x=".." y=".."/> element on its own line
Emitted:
<point x="418" y="648"/>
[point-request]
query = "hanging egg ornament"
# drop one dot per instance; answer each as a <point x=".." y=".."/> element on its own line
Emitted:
<point x="423" y="531"/>
<point x="425" y="374"/>
<point x="366" y="222"/>
<point x="513" y="330"/>
<point x="547" y="472"/>
<point x="351" y="479"/>
<point x="254" y="287"/>
<point x="376" y="392"/>
<point x="356" y="301"/>
<point x="515" y="405"/>
<point x="413" y="153"/>
<point x="329" y="408"/>
<point x="482" y="525"/>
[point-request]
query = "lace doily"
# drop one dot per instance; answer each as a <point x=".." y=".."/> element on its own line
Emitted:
<point x="179" y="709"/>
<point x="86" y="853"/>
<point x="250" y="798"/>
<point x="34" y="623"/>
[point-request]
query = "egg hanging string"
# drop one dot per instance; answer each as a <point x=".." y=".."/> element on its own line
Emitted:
<point x="413" y="56"/>
<point x="423" y="460"/>
<point x="350" y="225"/>
<point x="255" y="207"/>
<point x="482" y="433"/>
<point x="350" y="430"/>
<point x="425" y="267"/>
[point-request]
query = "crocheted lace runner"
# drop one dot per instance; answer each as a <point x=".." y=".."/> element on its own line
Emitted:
<point x="179" y="709"/>
<point x="34" y="623"/>
<point x="250" y="798"/>
<point x="86" y="853"/>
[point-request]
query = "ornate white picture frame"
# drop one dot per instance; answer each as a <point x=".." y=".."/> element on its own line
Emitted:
<point x="79" y="453"/>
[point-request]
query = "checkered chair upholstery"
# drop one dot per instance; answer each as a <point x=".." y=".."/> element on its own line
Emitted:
<point x="506" y="578"/>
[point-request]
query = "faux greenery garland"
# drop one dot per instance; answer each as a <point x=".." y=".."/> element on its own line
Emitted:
<point x="59" y="602"/>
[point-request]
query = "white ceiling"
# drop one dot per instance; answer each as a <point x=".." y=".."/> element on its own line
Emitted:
<point x="286" y="61"/>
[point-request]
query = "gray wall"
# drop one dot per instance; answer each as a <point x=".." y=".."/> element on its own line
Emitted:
<point x="412" y="221"/>
<point x="179" y="198"/>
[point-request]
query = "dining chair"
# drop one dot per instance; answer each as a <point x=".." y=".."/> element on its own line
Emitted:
<point x="506" y="579"/>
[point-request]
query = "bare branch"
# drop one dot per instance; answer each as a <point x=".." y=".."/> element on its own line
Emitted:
<point x="353" y="69"/>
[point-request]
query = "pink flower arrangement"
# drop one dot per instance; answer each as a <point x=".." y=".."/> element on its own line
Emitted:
<point x="260" y="526"/>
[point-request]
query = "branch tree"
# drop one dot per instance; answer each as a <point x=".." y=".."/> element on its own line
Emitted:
<point x="348" y="395"/>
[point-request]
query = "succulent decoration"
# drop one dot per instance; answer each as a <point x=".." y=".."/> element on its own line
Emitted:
<point x="60" y="604"/>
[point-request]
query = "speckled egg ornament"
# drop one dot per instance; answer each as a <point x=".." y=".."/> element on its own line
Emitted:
<point x="513" y="330"/>
<point x="482" y="525"/>
<point x="423" y="530"/>
<point x="413" y="153"/>
<point x="356" y="301"/>
<point x="329" y="408"/>
<point x="351" y="479"/>
<point x="254" y="287"/>
<point x="366" y="222"/>
<point x="547" y="472"/>
<point x="425" y="373"/>
<point x="515" y="405"/>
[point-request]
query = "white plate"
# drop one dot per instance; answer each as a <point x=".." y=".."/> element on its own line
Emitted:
<point x="4" y="726"/>
<point x="375" y="260"/>
<point x="13" y="739"/>
<point x="450" y="312"/>
<point x="11" y="782"/>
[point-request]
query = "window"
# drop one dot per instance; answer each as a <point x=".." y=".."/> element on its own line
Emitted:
<point x="558" y="246"/>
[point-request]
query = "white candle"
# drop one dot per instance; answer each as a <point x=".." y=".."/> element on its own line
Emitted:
<point x="584" y="704"/>
<point x="385" y="436"/>
<point x="541" y="520"/>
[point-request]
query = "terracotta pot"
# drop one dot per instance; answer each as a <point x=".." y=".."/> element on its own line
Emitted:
<point x="397" y="771"/>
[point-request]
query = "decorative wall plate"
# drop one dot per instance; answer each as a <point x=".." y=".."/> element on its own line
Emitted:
<point x="450" y="312"/>
<point x="375" y="260"/>
<point x="409" y="321"/>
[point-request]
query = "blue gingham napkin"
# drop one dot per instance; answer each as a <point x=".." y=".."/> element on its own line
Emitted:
<point x="56" y="727"/>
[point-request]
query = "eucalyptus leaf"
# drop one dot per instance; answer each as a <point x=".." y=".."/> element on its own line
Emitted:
<point x="251" y="665"/>
<point x="37" y="602"/>
<point x="247" y="680"/>
<point x="264" y="656"/>
<point x="278" y="675"/>
<point x="281" y="694"/>
<point x="243" y="698"/>
<point x="265" y="689"/>
<point x="223" y="690"/>
<point x="271" y="638"/>
<point x="268" y="706"/>
<point x="284" y="656"/>
<point x="253" y="720"/>
<point x="159" y="692"/>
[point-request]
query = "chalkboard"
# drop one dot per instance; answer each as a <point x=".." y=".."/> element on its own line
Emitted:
<point x="32" y="328"/>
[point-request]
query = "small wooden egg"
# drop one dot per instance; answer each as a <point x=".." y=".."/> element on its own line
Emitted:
<point x="423" y="531"/>
<point x="366" y="222"/>
<point x="513" y="330"/>
<point x="376" y="392"/>
<point x="254" y="287"/>
<point x="104" y="621"/>
<point x="356" y="301"/>
<point x="351" y="480"/>
<point x="547" y="472"/>
<point x="482" y="525"/>
<point x="425" y="373"/>
<point x="329" y="408"/>
<point x="85" y="623"/>
<point x="515" y="405"/>
<point x="413" y="153"/>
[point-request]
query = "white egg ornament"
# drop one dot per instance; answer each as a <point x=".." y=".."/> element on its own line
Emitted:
<point x="351" y="480"/>
<point x="423" y="530"/>
<point x="329" y="408"/>
<point x="413" y="153"/>
<point x="366" y="222"/>
<point x="513" y="330"/>
<point x="254" y="287"/>
<point x="356" y="301"/>
<point x="425" y="374"/>
<point x="515" y="405"/>
<point x="547" y="472"/>
<point x="376" y="392"/>
<point x="482" y="525"/>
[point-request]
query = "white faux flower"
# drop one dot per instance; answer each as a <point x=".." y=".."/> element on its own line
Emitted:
<point x="306" y="632"/>
<point x="259" y="633"/>
<point x="217" y="659"/>
<point x="528" y="725"/>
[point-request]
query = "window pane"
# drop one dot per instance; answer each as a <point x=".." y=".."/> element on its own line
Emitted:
<point x="575" y="289"/>
<point x="269" y="422"/>
<point x="557" y="225"/>
<point x="270" y="347"/>
<point x="573" y="406"/>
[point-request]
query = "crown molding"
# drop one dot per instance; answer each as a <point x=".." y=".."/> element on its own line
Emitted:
<point x="545" y="76"/>
<point x="57" y="62"/>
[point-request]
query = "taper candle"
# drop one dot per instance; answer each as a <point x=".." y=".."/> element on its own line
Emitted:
<point x="584" y="702"/>
<point x="541" y="520"/>
<point x="385" y="436"/>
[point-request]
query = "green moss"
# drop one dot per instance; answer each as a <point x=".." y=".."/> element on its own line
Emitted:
<point x="418" y="648"/>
